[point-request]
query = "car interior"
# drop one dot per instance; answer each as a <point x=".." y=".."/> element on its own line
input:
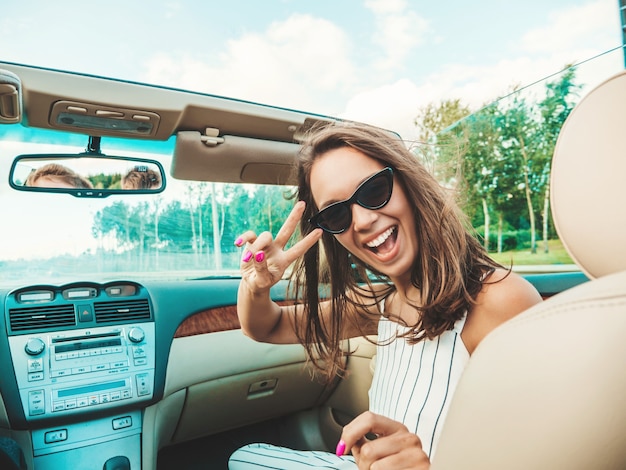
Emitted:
<point x="107" y="367"/>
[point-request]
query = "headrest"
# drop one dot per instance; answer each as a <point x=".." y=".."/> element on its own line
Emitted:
<point x="588" y="180"/>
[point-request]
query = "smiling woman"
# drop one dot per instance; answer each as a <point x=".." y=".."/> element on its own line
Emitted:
<point x="429" y="291"/>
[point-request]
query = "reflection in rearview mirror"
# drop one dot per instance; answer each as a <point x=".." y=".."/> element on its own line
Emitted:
<point x="86" y="176"/>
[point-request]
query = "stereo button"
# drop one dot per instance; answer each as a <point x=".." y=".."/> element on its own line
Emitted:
<point x="36" y="403"/>
<point x="60" y="373"/>
<point x="136" y="335"/>
<point x="143" y="385"/>
<point x="35" y="365"/>
<point x="34" y="346"/>
<point x="35" y="376"/>
<point x="139" y="352"/>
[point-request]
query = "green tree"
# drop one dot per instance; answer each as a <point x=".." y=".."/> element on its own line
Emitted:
<point x="519" y="131"/>
<point x="560" y="99"/>
<point x="442" y="138"/>
<point x="106" y="181"/>
<point x="481" y="164"/>
<point x="175" y="227"/>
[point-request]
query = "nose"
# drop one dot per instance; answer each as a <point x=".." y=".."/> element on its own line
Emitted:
<point x="362" y="218"/>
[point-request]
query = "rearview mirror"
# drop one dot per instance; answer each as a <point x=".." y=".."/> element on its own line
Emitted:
<point x="86" y="175"/>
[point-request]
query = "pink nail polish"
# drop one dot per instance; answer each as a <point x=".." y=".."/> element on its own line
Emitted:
<point x="239" y="241"/>
<point x="247" y="256"/>
<point x="260" y="256"/>
<point x="341" y="448"/>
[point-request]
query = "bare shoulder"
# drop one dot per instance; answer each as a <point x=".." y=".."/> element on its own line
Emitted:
<point x="503" y="296"/>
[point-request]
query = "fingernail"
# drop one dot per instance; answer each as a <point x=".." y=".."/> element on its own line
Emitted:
<point x="260" y="256"/>
<point x="239" y="241"/>
<point x="247" y="256"/>
<point x="341" y="448"/>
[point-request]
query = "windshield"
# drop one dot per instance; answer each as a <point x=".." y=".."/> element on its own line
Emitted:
<point x="185" y="232"/>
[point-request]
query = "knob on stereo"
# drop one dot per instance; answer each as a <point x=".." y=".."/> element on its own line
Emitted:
<point x="34" y="346"/>
<point x="136" y="335"/>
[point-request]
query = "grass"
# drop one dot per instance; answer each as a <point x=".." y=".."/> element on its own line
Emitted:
<point x="557" y="254"/>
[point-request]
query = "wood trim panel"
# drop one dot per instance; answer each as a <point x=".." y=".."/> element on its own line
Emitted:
<point x="213" y="320"/>
<point x="209" y="321"/>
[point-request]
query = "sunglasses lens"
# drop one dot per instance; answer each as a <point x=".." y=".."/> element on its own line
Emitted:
<point x="335" y="218"/>
<point x="375" y="193"/>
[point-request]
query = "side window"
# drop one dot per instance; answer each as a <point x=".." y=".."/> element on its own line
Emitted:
<point x="498" y="160"/>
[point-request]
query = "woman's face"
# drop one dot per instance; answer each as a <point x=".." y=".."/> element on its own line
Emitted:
<point x="383" y="238"/>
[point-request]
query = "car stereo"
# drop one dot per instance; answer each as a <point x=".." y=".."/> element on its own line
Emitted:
<point x="63" y="372"/>
<point x="74" y="353"/>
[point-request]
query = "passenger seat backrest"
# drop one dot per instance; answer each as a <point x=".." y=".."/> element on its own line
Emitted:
<point x="588" y="180"/>
<point x="547" y="390"/>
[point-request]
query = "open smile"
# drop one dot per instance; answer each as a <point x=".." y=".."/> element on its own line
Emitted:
<point x="384" y="242"/>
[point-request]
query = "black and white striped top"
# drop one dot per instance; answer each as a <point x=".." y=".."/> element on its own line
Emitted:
<point x="414" y="384"/>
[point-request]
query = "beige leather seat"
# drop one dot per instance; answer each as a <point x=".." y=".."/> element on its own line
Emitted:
<point x="547" y="390"/>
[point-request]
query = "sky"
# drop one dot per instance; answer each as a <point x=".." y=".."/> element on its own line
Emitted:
<point x="377" y="61"/>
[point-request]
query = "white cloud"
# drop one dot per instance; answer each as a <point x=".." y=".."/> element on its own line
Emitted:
<point x="292" y="64"/>
<point x="398" y="31"/>
<point x="392" y="106"/>
<point x="575" y="27"/>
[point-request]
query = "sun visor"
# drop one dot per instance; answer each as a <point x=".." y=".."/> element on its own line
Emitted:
<point x="232" y="159"/>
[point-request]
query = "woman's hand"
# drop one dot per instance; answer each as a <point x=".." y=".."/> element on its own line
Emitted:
<point x="394" y="448"/>
<point x="265" y="259"/>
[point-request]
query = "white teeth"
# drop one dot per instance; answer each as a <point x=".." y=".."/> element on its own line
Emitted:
<point x="380" y="239"/>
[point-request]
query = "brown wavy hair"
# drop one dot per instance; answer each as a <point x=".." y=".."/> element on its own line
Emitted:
<point x="449" y="270"/>
<point x="60" y="172"/>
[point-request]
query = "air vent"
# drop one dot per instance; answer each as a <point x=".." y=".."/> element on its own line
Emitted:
<point x="107" y="312"/>
<point x="38" y="318"/>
